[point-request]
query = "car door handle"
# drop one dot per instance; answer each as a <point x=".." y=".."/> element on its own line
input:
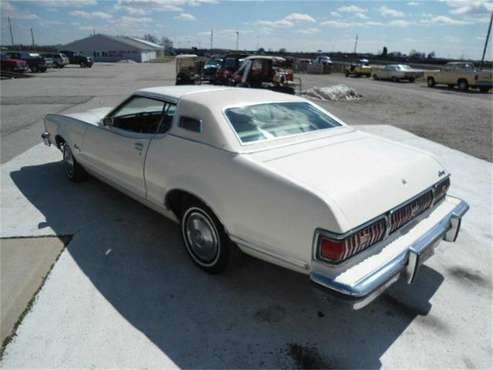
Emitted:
<point x="139" y="146"/>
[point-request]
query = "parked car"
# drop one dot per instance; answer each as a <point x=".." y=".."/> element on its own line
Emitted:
<point x="59" y="59"/>
<point x="8" y="64"/>
<point x="397" y="72"/>
<point x="78" y="58"/>
<point x="358" y="70"/>
<point x="460" y="74"/>
<point x="273" y="174"/>
<point x="188" y="69"/>
<point x="267" y="72"/>
<point x="322" y="59"/>
<point x="229" y="65"/>
<point x="35" y="61"/>
<point x="210" y="69"/>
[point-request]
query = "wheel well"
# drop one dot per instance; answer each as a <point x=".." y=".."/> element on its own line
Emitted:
<point x="59" y="141"/>
<point x="175" y="199"/>
<point x="462" y="79"/>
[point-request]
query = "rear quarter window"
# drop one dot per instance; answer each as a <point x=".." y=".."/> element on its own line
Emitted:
<point x="190" y="124"/>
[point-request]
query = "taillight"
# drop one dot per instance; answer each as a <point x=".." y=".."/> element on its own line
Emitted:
<point x="332" y="250"/>
<point x="289" y="76"/>
<point x="337" y="250"/>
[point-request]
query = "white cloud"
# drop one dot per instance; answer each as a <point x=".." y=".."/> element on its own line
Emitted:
<point x="66" y="3"/>
<point x="309" y="31"/>
<point x="462" y="7"/>
<point x="399" y="23"/>
<point x="88" y="15"/>
<point x="9" y="10"/>
<point x="413" y="3"/>
<point x="389" y="12"/>
<point x="289" y="21"/>
<point x="444" y="20"/>
<point x="160" y="5"/>
<point x="185" y="17"/>
<point x="335" y="14"/>
<point x="351" y="9"/>
<point x="298" y="17"/>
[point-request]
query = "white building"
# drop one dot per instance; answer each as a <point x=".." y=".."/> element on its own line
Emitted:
<point x="106" y="48"/>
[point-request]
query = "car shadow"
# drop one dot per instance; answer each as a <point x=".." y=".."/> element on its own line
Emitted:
<point x="256" y="315"/>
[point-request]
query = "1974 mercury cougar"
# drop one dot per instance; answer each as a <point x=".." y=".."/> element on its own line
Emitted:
<point x="275" y="175"/>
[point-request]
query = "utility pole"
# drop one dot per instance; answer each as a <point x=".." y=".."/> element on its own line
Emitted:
<point x="487" y="38"/>
<point x="32" y="36"/>
<point x="237" y="40"/>
<point x="356" y="44"/>
<point x="212" y="38"/>
<point x="11" y="32"/>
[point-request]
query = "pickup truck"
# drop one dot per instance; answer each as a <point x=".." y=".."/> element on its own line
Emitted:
<point x="78" y="58"/>
<point x="35" y="62"/>
<point x="464" y="75"/>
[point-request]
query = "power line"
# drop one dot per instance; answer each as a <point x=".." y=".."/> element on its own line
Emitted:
<point x="32" y="36"/>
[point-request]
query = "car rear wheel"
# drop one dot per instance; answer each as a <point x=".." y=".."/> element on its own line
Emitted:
<point x="73" y="170"/>
<point x="484" y="89"/>
<point x="463" y="85"/>
<point x="412" y="79"/>
<point x="395" y="79"/>
<point x="204" y="237"/>
<point x="375" y="77"/>
<point x="430" y="81"/>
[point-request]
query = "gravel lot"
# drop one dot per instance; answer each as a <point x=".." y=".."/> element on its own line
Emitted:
<point x="459" y="120"/>
<point x="462" y="121"/>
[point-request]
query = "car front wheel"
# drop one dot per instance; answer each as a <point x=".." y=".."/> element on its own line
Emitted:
<point x="430" y="81"/>
<point x="204" y="237"/>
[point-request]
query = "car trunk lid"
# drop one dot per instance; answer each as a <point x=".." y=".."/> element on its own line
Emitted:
<point x="362" y="175"/>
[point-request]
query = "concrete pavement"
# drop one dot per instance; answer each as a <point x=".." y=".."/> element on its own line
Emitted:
<point x="124" y="293"/>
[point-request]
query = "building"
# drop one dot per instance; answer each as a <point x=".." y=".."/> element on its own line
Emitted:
<point x="106" y="48"/>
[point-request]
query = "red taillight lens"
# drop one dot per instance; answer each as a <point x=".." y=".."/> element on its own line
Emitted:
<point x="332" y="250"/>
<point x="335" y="251"/>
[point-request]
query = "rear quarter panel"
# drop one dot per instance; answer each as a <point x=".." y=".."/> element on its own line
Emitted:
<point x="254" y="204"/>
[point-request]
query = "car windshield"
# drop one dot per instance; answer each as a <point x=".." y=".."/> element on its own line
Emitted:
<point x="275" y="120"/>
<point x="404" y="67"/>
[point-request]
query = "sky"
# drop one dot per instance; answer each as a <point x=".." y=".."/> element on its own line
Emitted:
<point x="450" y="28"/>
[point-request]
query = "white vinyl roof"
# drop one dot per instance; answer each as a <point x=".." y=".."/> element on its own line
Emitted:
<point x="207" y="103"/>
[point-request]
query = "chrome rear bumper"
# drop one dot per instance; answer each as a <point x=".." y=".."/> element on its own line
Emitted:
<point x="405" y="264"/>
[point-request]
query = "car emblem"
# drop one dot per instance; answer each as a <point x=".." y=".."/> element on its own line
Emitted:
<point x="404" y="181"/>
<point x="414" y="210"/>
<point x="441" y="173"/>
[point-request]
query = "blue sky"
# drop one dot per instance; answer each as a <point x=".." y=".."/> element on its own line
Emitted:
<point x="451" y="28"/>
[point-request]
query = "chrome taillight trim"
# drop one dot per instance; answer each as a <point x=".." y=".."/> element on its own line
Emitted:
<point x="353" y="249"/>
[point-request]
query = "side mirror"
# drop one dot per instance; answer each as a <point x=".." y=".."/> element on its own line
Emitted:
<point x="107" y="121"/>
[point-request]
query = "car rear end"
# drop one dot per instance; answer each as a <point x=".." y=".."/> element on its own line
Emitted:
<point x="360" y="264"/>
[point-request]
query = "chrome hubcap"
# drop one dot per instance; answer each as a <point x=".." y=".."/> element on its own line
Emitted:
<point x="68" y="160"/>
<point x="201" y="237"/>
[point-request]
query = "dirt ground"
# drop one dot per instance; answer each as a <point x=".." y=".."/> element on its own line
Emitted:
<point x="462" y="121"/>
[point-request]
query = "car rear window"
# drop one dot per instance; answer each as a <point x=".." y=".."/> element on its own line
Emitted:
<point x="261" y="122"/>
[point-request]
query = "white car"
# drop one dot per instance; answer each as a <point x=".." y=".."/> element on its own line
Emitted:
<point x="273" y="174"/>
<point x="397" y="72"/>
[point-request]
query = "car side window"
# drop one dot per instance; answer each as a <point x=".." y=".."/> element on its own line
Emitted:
<point x="190" y="124"/>
<point x="168" y="114"/>
<point x="139" y="114"/>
